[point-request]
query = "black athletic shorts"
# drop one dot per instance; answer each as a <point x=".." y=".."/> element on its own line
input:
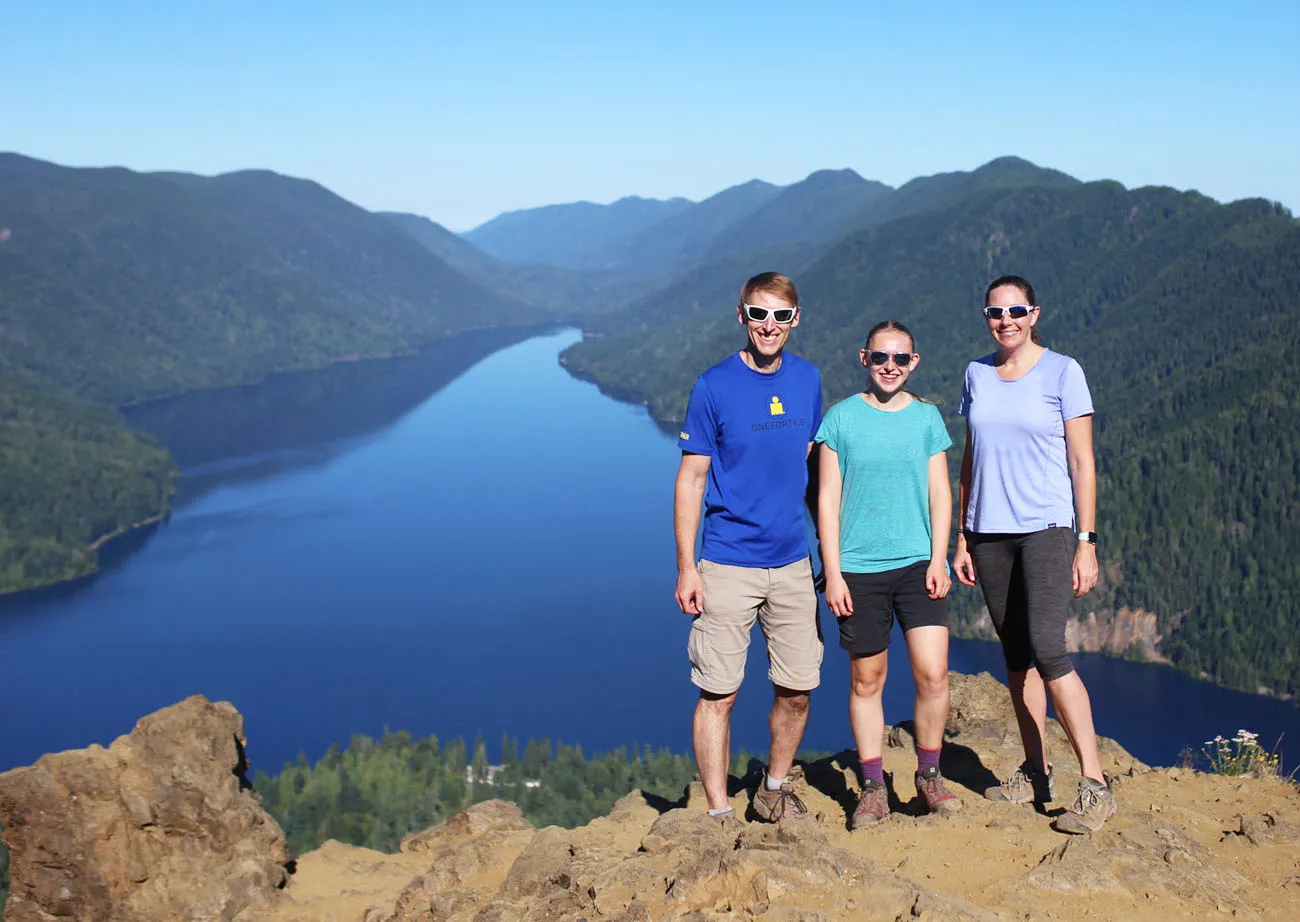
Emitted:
<point x="878" y="597"/>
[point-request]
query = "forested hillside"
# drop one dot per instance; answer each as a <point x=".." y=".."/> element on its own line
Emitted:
<point x="376" y="791"/>
<point x="72" y="474"/>
<point x="118" y="286"/>
<point x="1185" y="314"/>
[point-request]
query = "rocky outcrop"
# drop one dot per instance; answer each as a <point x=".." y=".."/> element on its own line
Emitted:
<point x="161" y="825"/>
<point x="1126" y="631"/>
<point x="1184" y="845"/>
<point x="1116" y="632"/>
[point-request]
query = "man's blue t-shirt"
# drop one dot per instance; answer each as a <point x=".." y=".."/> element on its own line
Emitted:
<point x="756" y="427"/>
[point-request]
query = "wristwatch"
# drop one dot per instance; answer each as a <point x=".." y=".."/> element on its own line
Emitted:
<point x="1089" y="536"/>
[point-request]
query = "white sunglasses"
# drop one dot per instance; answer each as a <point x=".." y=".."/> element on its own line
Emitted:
<point x="757" y="314"/>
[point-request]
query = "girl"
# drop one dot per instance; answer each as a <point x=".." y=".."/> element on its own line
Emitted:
<point x="1028" y="480"/>
<point x="885" y="511"/>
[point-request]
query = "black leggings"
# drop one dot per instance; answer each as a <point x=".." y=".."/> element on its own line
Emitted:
<point x="1028" y="583"/>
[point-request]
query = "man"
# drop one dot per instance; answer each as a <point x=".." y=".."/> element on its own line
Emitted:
<point x="749" y="427"/>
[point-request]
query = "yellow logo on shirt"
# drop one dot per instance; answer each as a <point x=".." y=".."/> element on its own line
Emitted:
<point x="776" y="409"/>
<point x="686" y="436"/>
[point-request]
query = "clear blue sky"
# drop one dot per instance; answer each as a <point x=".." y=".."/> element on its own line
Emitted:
<point x="461" y="110"/>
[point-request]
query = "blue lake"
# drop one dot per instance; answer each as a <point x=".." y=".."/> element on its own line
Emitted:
<point x="461" y="541"/>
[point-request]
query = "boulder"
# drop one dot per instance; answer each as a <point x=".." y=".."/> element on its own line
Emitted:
<point x="160" y="825"/>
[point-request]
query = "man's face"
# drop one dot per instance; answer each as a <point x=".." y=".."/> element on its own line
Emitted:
<point x="767" y="337"/>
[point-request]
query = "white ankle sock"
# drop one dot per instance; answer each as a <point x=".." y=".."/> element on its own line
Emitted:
<point x="773" y="784"/>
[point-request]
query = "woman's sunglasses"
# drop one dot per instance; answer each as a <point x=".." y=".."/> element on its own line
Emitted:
<point x="757" y="314"/>
<point x="1017" y="312"/>
<point x="901" y="359"/>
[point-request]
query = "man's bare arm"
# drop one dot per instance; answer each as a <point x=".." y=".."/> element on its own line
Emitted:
<point x="688" y="494"/>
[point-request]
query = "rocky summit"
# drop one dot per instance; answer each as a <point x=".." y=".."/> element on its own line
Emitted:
<point x="159" y="826"/>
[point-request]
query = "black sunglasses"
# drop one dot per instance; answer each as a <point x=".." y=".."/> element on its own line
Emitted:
<point x="1017" y="312"/>
<point x="901" y="359"/>
<point x="758" y="314"/>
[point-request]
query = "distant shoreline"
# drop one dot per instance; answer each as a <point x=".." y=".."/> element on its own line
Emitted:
<point x="125" y="529"/>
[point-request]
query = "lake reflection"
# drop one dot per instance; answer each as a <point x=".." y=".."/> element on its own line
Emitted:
<point x="461" y="541"/>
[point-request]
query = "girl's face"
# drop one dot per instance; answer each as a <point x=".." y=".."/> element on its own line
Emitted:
<point x="889" y="359"/>
<point x="1010" y="333"/>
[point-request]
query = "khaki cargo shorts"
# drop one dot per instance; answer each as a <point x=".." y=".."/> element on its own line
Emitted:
<point x="783" y="601"/>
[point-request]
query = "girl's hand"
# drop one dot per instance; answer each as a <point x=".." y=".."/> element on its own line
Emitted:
<point x="1085" y="568"/>
<point x="838" y="599"/>
<point x="963" y="565"/>
<point x="937" y="580"/>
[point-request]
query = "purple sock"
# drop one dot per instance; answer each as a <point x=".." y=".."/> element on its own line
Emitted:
<point x="925" y="759"/>
<point x="872" y="770"/>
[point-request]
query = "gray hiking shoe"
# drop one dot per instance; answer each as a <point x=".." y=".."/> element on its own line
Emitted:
<point x="1026" y="785"/>
<point x="1090" y="810"/>
<point x="873" y="805"/>
<point x="774" y="806"/>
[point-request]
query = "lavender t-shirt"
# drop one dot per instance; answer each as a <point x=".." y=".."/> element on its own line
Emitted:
<point x="1020" y="478"/>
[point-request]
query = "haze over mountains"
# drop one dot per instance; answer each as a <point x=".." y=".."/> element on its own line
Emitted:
<point x="118" y="286"/>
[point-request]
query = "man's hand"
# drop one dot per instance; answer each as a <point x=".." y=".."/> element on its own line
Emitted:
<point x="1085" y="568"/>
<point x="963" y="565"/>
<point x="690" y="591"/>
<point x="937" y="580"/>
<point x="838" y="598"/>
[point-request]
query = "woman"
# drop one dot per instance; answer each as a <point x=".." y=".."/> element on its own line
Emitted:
<point x="1028" y="479"/>
<point x="885" y="512"/>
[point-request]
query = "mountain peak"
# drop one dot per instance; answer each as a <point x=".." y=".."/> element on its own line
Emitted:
<point x="830" y="178"/>
<point x="1019" y="167"/>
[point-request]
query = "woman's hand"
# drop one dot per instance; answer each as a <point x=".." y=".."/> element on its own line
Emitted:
<point x="963" y="565"/>
<point x="838" y="599"/>
<point x="1085" y="568"/>
<point x="937" y="580"/>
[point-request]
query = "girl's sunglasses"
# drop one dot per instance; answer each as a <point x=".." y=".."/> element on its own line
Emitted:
<point x="1017" y="312"/>
<point x="901" y="359"/>
<point x="757" y="314"/>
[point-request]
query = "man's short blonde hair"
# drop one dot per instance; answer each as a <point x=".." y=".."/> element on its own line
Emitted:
<point x="773" y="283"/>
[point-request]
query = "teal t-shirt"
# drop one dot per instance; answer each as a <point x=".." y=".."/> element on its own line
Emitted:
<point x="885" y="463"/>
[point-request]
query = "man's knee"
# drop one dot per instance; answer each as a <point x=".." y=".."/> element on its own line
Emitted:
<point x="714" y="703"/>
<point x="793" y="701"/>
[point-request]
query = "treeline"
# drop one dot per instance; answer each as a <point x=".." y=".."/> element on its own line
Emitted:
<point x="374" y="792"/>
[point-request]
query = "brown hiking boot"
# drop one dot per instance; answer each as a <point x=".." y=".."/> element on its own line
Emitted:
<point x="1090" y="810"/>
<point x="873" y="805"/>
<point x="774" y="806"/>
<point x="938" y="799"/>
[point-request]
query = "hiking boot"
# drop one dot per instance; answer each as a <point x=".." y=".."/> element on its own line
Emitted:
<point x="873" y="805"/>
<point x="1090" y="810"/>
<point x="931" y="787"/>
<point x="774" y="806"/>
<point x="727" y="819"/>
<point x="1026" y="785"/>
